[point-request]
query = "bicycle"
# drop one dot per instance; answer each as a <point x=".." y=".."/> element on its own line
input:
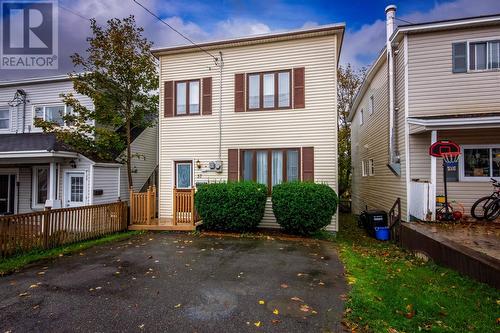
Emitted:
<point x="487" y="207"/>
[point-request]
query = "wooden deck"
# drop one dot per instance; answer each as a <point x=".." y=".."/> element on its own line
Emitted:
<point x="164" y="225"/>
<point x="475" y="252"/>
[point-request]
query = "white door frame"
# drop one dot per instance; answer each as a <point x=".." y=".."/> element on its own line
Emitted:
<point x="12" y="172"/>
<point x="67" y="190"/>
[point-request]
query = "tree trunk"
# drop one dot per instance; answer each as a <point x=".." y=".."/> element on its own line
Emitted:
<point x="129" y="153"/>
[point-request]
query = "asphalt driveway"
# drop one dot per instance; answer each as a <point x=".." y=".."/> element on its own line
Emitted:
<point x="180" y="283"/>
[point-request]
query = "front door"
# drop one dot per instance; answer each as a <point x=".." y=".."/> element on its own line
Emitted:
<point x="183" y="175"/>
<point x="7" y="193"/>
<point x="75" y="189"/>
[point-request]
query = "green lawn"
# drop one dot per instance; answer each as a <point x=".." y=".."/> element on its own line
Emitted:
<point x="393" y="291"/>
<point x="14" y="263"/>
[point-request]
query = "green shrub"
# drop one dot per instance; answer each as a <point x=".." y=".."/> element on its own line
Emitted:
<point x="235" y="206"/>
<point x="303" y="207"/>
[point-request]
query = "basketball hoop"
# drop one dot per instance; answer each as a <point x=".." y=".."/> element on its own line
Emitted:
<point x="449" y="151"/>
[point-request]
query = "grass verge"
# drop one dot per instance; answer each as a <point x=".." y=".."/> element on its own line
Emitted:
<point x="392" y="291"/>
<point x="11" y="264"/>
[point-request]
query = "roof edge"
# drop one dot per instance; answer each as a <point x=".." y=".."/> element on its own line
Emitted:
<point x="251" y="38"/>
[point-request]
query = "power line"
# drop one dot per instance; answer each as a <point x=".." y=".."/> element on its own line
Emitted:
<point x="405" y="21"/>
<point x="74" y="13"/>
<point x="177" y="31"/>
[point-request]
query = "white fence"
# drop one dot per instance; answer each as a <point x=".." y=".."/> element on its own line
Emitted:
<point x="419" y="205"/>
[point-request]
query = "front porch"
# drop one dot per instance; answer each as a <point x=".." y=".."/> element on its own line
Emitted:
<point x="470" y="180"/>
<point x="144" y="211"/>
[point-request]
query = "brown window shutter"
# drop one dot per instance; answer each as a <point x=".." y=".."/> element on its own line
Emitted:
<point x="299" y="101"/>
<point x="168" y="99"/>
<point x="239" y="92"/>
<point x="207" y="96"/>
<point x="308" y="164"/>
<point x="232" y="165"/>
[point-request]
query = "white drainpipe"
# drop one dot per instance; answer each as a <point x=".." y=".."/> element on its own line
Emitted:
<point x="390" y="12"/>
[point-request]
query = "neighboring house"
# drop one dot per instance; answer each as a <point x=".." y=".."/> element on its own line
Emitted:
<point x="279" y="112"/>
<point x="36" y="171"/>
<point x="432" y="81"/>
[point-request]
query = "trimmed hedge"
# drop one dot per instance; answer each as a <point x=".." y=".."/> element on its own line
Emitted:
<point x="304" y="207"/>
<point x="234" y="206"/>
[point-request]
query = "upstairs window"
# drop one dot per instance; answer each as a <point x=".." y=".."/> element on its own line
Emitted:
<point x="187" y="98"/>
<point x="371" y="105"/>
<point x="478" y="56"/>
<point x="269" y="90"/>
<point x="4" y="119"/>
<point x="52" y="113"/>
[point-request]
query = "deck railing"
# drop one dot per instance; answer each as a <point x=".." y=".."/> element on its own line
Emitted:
<point x="184" y="211"/>
<point x="143" y="206"/>
<point x="52" y="228"/>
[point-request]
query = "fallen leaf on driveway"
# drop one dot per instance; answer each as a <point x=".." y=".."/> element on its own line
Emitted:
<point x="141" y="326"/>
<point x="177" y="306"/>
<point x="40" y="273"/>
<point x="257" y="324"/>
<point x="284" y="285"/>
<point x="33" y="286"/>
<point x="261" y="302"/>
<point x="305" y="308"/>
<point x="302" y="274"/>
<point x="296" y="299"/>
<point x="23" y="294"/>
<point x="276" y="312"/>
<point x="276" y="321"/>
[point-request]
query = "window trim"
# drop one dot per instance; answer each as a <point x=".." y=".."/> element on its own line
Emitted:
<point x="361" y="118"/>
<point x="461" y="163"/>
<point x="44" y="106"/>
<point x="371" y="167"/>
<point x="175" y="174"/>
<point x="188" y="113"/>
<point x="34" y="189"/>
<point x="269" y="163"/>
<point x="371" y="105"/>
<point x="261" y="90"/>
<point x="478" y="40"/>
<point x="363" y="169"/>
<point x="9" y="127"/>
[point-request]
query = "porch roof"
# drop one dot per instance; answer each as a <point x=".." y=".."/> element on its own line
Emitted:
<point x="30" y="142"/>
<point x="465" y="121"/>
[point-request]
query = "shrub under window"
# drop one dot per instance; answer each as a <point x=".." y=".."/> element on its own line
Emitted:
<point x="235" y="206"/>
<point x="303" y="207"/>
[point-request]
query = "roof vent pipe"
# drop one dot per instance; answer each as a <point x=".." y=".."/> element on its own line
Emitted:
<point x="394" y="165"/>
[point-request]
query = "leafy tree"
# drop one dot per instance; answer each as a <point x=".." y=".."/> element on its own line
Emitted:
<point x="349" y="81"/>
<point x="119" y="75"/>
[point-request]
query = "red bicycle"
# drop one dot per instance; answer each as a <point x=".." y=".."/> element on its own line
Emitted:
<point x="487" y="207"/>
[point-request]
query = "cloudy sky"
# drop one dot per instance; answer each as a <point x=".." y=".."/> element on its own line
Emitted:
<point x="207" y="20"/>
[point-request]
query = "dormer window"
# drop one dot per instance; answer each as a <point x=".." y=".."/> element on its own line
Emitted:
<point x="52" y="113"/>
<point x="4" y="119"/>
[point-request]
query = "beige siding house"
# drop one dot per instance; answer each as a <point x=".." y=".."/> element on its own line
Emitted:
<point x="443" y="83"/>
<point x="268" y="115"/>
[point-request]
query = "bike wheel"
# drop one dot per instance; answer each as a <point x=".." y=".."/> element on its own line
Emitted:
<point x="492" y="211"/>
<point x="479" y="207"/>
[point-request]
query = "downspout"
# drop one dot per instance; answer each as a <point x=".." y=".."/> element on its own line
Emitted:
<point x="393" y="163"/>
<point x="220" y="64"/>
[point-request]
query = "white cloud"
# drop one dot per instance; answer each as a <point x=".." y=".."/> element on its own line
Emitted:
<point x="362" y="46"/>
<point x="239" y="27"/>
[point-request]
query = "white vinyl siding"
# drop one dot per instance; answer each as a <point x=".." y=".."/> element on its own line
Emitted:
<point x="106" y="179"/>
<point x="37" y="94"/>
<point x="196" y="138"/>
<point x="433" y="87"/>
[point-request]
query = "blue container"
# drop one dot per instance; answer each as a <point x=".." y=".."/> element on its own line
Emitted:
<point x="382" y="233"/>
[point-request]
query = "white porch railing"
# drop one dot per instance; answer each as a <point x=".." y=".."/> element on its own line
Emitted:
<point x="420" y="204"/>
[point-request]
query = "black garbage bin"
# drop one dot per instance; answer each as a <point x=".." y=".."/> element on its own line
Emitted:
<point x="370" y="219"/>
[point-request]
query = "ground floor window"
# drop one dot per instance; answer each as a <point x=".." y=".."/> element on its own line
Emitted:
<point x="270" y="166"/>
<point x="40" y="186"/>
<point x="480" y="162"/>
